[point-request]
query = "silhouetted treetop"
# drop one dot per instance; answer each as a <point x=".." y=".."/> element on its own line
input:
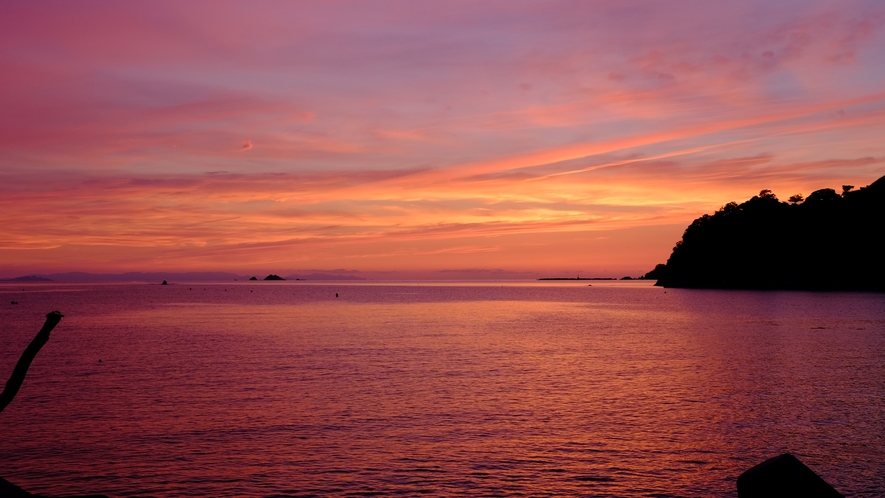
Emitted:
<point x="826" y="241"/>
<point x="823" y="195"/>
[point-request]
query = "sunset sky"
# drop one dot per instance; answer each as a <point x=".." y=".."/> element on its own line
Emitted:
<point x="410" y="136"/>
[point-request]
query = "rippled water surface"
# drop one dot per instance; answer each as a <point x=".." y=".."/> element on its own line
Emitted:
<point x="282" y="389"/>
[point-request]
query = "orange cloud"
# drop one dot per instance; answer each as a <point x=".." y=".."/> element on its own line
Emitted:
<point x="446" y="146"/>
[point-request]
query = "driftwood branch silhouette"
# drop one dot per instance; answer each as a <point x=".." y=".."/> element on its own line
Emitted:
<point x="14" y="384"/>
<point x="21" y="368"/>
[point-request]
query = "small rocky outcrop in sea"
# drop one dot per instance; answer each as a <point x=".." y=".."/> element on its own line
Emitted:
<point x="829" y="241"/>
<point x="274" y="277"/>
<point x="254" y="278"/>
<point x="164" y="282"/>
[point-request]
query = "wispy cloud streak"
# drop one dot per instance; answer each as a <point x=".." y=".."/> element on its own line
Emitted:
<point x="399" y="135"/>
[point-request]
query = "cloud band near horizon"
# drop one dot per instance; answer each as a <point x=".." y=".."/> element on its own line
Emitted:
<point x="410" y="136"/>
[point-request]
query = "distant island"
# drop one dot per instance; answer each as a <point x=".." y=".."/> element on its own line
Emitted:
<point x="829" y="241"/>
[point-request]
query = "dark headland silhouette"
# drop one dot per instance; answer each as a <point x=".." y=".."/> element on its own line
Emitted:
<point x="829" y="241"/>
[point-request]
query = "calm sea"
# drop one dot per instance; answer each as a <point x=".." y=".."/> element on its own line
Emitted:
<point x="480" y="389"/>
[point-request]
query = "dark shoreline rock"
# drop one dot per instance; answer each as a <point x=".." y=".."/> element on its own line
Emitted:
<point x="9" y="490"/>
<point x="783" y="475"/>
<point x="829" y="242"/>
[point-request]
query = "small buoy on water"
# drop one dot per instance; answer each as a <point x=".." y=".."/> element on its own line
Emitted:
<point x="336" y="294"/>
<point x="99" y="360"/>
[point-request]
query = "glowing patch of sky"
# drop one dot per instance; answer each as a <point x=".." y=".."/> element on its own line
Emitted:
<point x="139" y="136"/>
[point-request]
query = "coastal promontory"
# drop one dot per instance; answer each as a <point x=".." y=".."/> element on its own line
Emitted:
<point x="828" y="241"/>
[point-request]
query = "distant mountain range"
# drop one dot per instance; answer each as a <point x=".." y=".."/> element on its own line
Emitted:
<point x="27" y="278"/>
<point x="467" y="274"/>
<point x="160" y="276"/>
<point x="323" y="276"/>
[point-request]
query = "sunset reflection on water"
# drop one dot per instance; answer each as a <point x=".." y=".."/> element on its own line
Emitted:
<point x="499" y="388"/>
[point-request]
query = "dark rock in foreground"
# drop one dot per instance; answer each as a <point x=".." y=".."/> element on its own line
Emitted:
<point x="828" y="242"/>
<point x="783" y="476"/>
<point x="7" y="489"/>
<point x="11" y="490"/>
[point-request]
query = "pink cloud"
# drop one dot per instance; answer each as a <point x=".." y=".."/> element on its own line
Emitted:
<point x="455" y="130"/>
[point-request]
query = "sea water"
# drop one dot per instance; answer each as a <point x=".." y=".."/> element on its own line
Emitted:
<point x="479" y="389"/>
